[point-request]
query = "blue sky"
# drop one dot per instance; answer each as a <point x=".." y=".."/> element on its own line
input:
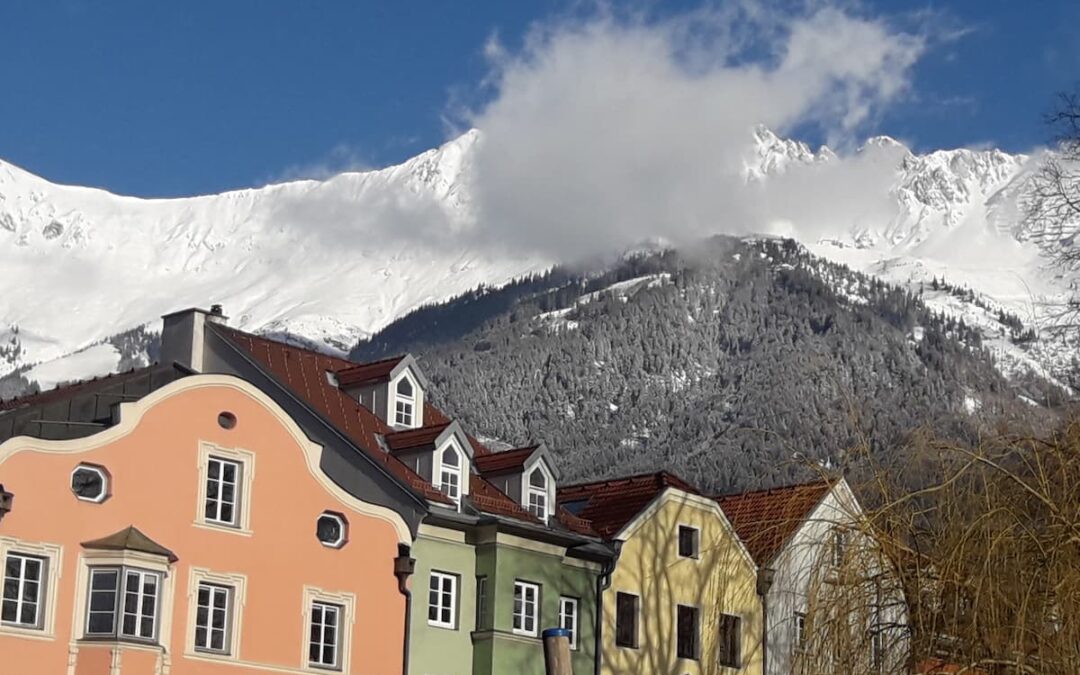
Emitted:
<point x="165" y="99"/>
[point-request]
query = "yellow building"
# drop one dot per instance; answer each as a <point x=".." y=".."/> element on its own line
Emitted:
<point x="683" y="597"/>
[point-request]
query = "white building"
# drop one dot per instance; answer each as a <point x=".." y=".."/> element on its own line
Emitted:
<point x="816" y="562"/>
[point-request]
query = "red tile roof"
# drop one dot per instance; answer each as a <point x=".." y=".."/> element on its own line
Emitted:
<point x="507" y="461"/>
<point x="610" y="504"/>
<point x="414" y="438"/>
<point x="364" y="373"/>
<point x="766" y="519"/>
<point x="304" y="372"/>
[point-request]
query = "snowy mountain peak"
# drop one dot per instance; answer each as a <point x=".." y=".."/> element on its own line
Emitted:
<point x="330" y="261"/>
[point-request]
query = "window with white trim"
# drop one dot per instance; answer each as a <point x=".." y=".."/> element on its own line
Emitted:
<point x="568" y="618"/>
<point x="404" y="403"/>
<point x="538" y="494"/>
<point x="324" y="650"/>
<point x="839" y="547"/>
<point x="24" y="590"/>
<point x="222" y="504"/>
<point x="802" y="635"/>
<point x="450" y="473"/>
<point x="730" y="640"/>
<point x="213" y="618"/>
<point x="442" y="600"/>
<point x="526" y="608"/>
<point x="124" y="603"/>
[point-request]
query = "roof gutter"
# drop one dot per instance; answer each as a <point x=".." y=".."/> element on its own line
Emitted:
<point x="603" y="582"/>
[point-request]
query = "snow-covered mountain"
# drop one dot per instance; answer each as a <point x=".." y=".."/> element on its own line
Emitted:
<point x="330" y="261"/>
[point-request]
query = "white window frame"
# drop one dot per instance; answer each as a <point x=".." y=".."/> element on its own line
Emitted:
<point x="802" y="637"/>
<point x="219" y="502"/>
<point x="325" y="608"/>
<point x="461" y="470"/>
<point x="404" y="407"/>
<point x="21" y="603"/>
<point x="441" y="592"/>
<point x="53" y="556"/>
<point x="546" y="493"/>
<point x="570" y="617"/>
<point x="346" y="603"/>
<point x="119" y="610"/>
<point x="214" y="591"/>
<point x="244" y="495"/>
<point x="520" y="620"/>
<point x="237" y="585"/>
<point x="106" y="482"/>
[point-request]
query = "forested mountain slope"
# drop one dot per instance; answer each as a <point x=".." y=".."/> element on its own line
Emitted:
<point x="736" y="365"/>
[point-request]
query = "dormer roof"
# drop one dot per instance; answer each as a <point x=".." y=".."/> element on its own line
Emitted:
<point x="431" y="436"/>
<point x="382" y="370"/>
<point x="515" y="461"/>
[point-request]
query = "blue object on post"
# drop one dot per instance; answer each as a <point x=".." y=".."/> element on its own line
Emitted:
<point x="557" y="651"/>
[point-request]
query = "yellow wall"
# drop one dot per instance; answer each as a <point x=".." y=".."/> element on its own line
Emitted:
<point x="721" y="579"/>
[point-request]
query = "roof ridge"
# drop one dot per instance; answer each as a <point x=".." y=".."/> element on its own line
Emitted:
<point x="359" y="364"/>
<point x="778" y="489"/>
<point x="15" y="401"/>
<point x="661" y="474"/>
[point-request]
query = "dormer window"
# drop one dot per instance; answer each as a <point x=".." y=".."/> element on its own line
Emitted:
<point x="405" y="403"/>
<point x="450" y="473"/>
<point x="538" y="494"/>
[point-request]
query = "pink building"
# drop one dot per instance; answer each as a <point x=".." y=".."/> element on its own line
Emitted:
<point x="164" y="521"/>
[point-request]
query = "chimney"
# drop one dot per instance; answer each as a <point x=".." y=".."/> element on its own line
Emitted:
<point x="183" y="335"/>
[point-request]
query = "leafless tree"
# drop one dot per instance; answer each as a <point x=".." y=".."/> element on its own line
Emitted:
<point x="1054" y="207"/>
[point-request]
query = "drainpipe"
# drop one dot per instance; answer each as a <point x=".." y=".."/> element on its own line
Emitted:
<point x="603" y="582"/>
<point x="764" y="583"/>
<point x="404" y="566"/>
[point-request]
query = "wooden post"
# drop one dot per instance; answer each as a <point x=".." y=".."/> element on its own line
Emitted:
<point x="557" y="652"/>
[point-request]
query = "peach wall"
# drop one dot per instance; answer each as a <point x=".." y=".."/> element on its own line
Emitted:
<point x="155" y="484"/>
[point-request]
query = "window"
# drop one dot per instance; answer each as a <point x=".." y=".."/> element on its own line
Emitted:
<point x="626" y="620"/>
<point x="132" y="595"/>
<point x="688" y="542"/>
<point x="730" y="639"/>
<point x="332" y="529"/>
<point x="802" y="633"/>
<point x="24" y="580"/>
<point x="526" y="608"/>
<point x="568" y="618"/>
<point x="90" y="483"/>
<point x="442" y="600"/>
<point x="538" y="494"/>
<point x="450" y="473"/>
<point x="481" y="602"/>
<point x="686" y="632"/>
<point x="403" y="406"/>
<point x="213" y="618"/>
<point x="222" y="481"/>
<point x="839" y="547"/>
<point x="323" y="651"/>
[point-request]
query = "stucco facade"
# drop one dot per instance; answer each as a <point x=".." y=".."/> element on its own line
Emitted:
<point x="720" y="579"/>
<point x="270" y="568"/>
<point x="805" y="580"/>
<point x="484" y="640"/>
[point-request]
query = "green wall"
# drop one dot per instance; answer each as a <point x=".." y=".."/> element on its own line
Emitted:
<point x="434" y="650"/>
<point x="498" y="649"/>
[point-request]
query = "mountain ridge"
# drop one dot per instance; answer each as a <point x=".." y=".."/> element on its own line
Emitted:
<point x="335" y="260"/>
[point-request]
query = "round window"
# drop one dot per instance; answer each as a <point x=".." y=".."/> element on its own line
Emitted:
<point x="332" y="529"/>
<point x="226" y="420"/>
<point x="90" y="483"/>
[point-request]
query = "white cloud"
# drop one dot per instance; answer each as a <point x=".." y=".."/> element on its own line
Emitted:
<point x="605" y="132"/>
